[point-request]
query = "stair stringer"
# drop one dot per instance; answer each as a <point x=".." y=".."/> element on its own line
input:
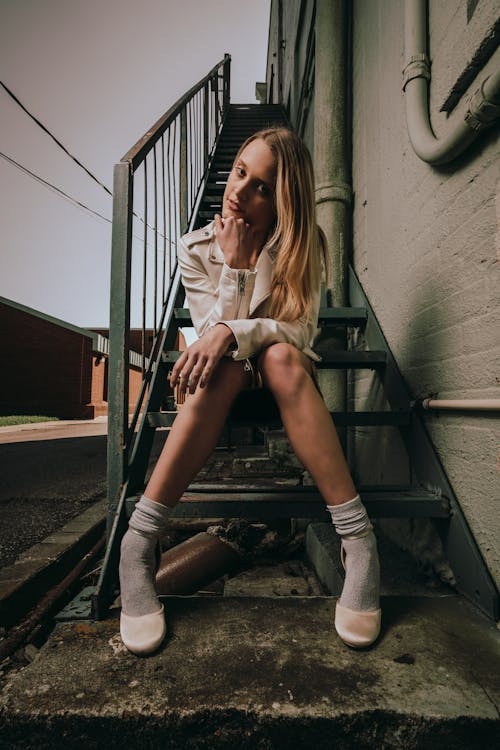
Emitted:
<point x="471" y="573"/>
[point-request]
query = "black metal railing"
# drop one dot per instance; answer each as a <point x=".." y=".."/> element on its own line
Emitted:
<point x="157" y="187"/>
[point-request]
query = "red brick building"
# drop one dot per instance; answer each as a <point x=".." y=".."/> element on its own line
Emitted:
<point x="51" y="367"/>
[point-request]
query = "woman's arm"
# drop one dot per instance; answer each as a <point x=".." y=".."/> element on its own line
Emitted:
<point x="228" y="304"/>
<point x="208" y="304"/>
<point x="254" y="334"/>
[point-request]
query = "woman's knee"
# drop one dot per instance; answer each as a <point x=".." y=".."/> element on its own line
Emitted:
<point x="283" y="369"/>
<point x="228" y="379"/>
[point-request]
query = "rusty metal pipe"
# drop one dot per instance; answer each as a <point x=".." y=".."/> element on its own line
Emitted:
<point x="21" y="632"/>
<point x="189" y="566"/>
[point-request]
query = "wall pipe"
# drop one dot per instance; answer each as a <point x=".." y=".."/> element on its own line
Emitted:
<point x="465" y="404"/>
<point x="333" y="191"/>
<point x="483" y="107"/>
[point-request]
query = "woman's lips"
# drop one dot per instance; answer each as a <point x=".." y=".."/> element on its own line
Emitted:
<point x="234" y="206"/>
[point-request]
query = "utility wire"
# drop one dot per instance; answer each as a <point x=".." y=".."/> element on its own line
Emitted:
<point x="70" y="198"/>
<point x="77" y="161"/>
<point x="46" y="130"/>
<point x="53" y="187"/>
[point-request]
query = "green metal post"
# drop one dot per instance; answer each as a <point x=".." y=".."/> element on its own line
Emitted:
<point x="206" y="94"/>
<point x="215" y="89"/>
<point x="119" y="334"/>
<point x="227" y="82"/>
<point x="183" y="174"/>
<point x="331" y="166"/>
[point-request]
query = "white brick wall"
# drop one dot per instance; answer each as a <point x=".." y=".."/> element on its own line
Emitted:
<point x="426" y="248"/>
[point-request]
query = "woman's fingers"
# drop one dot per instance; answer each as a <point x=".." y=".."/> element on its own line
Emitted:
<point x="197" y="363"/>
<point x="176" y="370"/>
<point x="196" y="374"/>
<point x="207" y="373"/>
<point x="219" y="222"/>
<point x="182" y="371"/>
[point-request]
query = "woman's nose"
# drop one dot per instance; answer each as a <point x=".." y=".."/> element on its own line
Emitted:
<point x="240" y="189"/>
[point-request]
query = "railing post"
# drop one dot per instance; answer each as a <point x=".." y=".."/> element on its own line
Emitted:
<point x="119" y="334"/>
<point x="215" y="89"/>
<point x="183" y="174"/>
<point x="206" y="108"/>
<point x="128" y="450"/>
<point x="227" y="82"/>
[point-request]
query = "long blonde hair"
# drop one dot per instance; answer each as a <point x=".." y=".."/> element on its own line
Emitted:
<point x="296" y="242"/>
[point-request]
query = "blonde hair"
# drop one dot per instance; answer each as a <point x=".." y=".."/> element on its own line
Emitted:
<point x="296" y="241"/>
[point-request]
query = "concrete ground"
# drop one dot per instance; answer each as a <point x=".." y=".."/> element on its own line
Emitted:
<point x="255" y="662"/>
<point x="264" y="672"/>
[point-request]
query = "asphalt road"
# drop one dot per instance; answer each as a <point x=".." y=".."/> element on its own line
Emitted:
<point x="49" y="473"/>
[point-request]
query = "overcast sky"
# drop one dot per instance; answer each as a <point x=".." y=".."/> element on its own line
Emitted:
<point x="97" y="73"/>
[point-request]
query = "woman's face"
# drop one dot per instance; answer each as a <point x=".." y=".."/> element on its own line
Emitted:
<point x="250" y="188"/>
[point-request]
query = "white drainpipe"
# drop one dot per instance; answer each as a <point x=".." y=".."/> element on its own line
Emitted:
<point x="483" y="107"/>
<point x="465" y="404"/>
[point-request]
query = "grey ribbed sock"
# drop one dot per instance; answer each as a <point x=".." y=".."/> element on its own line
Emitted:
<point x="362" y="579"/>
<point x="137" y="561"/>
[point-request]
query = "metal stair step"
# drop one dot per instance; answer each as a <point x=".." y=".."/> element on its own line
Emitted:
<point x="211" y="198"/>
<point x="214" y="207"/>
<point x="371" y="360"/>
<point x="273" y="421"/>
<point x="331" y="360"/>
<point x="214" y="201"/>
<point x="220" y="500"/>
<point x="328" y="316"/>
<point x="226" y="149"/>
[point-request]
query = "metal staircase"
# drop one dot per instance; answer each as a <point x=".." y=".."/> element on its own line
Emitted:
<point x="214" y="129"/>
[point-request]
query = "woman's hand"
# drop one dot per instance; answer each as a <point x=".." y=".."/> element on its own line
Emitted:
<point x="197" y="363"/>
<point x="236" y="240"/>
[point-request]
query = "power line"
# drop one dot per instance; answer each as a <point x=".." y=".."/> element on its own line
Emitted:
<point x="77" y="161"/>
<point x="46" y="130"/>
<point x="53" y="187"/>
<point x="70" y="198"/>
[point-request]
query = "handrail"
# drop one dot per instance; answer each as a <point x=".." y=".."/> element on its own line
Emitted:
<point x="137" y="153"/>
<point x="159" y="183"/>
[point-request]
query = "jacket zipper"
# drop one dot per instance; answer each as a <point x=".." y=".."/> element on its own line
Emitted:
<point x="241" y="289"/>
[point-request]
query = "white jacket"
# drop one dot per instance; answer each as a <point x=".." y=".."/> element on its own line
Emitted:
<point x="215" y="293"/>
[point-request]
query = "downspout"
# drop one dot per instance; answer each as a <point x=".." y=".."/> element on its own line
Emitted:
<point x="331" y="164"/>
<point x="483" y="107"/>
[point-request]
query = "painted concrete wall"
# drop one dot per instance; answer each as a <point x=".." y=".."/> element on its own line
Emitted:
<point x="426" y="247"/>
<point x="297" y="63"/>
<point x="426" y="240"/>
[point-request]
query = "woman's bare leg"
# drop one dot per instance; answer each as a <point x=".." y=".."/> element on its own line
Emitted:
<point x="191" y="440"/>
<point x="194" y="433"/>
<point x="308" y="424"/>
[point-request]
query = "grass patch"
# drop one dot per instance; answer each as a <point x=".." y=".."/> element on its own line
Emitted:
<point x="25" y="419"/>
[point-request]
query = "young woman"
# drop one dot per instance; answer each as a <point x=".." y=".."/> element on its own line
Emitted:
<point x="252" y="280"/>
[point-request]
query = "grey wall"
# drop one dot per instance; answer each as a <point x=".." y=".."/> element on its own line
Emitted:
<point x="297" y="63"/>
<point x="426" y="247"/>
<point x="426" y="240"/>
